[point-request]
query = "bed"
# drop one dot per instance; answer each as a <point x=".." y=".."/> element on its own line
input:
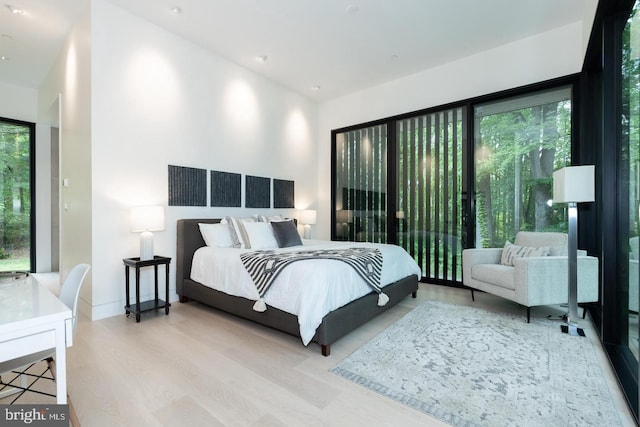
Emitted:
<point x="333" y="325"/>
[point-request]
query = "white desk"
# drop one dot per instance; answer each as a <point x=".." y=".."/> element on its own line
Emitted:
<point x="32" y="319"/>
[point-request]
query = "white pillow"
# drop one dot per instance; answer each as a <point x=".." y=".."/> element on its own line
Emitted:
<point x="216" y="235"/>
<point x="260" y="235"/>
<point x="510" y="252"/>
<point x="236" y="230"/>
<point x="266" y="218"/>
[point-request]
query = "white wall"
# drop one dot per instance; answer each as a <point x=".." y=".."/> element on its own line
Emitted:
<point x="66" y="91"/>
<point x="159" y="100"/>
<point x="18" y="102"/>
<point x="545" y="56"/>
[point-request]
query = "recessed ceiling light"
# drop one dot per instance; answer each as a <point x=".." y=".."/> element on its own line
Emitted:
<point x="262" y="58"/>
<point x="315" y="88"/>
<point x="176" y="9"/>
<point x="15" y="10"/>
<point x="352" y="9"/>
<point x="4" y="58"/>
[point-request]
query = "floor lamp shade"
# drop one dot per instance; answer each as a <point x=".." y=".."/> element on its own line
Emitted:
<point x="144" y="220"/>
<point x="573" y="185"/>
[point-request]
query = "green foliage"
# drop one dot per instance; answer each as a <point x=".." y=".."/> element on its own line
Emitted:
<point x="516" y="154"/>
<point x="15" y="188"/>
<point x="630" y="155"/>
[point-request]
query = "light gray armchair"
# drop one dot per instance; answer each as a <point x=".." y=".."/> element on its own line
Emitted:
<point x="534" y="280"/>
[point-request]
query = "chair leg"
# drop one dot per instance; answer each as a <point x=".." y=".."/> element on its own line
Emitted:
<point x="52" y="366"/>
<point x="73" y="417"/>
<point x="472" y="295"/>
<point x="28" y="388"/>
<point x="528" y="314"/>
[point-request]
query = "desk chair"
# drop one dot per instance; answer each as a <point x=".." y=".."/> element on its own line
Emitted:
<point x="19" y="367"/>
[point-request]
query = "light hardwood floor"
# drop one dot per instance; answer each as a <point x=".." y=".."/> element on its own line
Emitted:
<point x="202" y="367"/>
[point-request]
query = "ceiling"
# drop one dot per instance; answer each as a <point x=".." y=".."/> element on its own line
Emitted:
<point x="319" y="48"/>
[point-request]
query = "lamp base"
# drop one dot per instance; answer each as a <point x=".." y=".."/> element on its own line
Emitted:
<point x="572" y="330"/>
<point x="146" y="246"/>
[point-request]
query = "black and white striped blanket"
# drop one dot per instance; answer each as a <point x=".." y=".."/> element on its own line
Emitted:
<point x="264" y="267"/>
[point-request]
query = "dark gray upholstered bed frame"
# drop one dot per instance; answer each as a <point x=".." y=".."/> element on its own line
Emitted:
<point x="334" y="325"/>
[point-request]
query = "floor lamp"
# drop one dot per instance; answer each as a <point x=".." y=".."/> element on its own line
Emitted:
<point x="573" y="185"/>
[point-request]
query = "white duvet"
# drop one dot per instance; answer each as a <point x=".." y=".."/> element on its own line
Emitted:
<point x="309" y="289"/>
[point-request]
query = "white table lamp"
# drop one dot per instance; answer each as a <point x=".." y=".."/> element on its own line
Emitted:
<point x="307" y="218"/>
<point x="573" y="185"/>
<point x="144" y="220"/>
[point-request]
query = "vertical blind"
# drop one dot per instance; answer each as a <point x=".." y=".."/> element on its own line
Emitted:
<point x="426" y="154"/>
<point x="429" y="165"/>
<point x="361" y="185"/>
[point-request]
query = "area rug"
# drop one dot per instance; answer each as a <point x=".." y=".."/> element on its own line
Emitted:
<point x="470" y="367"/>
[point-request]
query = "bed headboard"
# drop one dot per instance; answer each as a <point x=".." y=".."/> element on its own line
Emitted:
<point x="188" y="241"/>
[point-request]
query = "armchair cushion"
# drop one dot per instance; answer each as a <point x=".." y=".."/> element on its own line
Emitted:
<point x="558" y="242"/>
<point x="498" y="274"/>
<point x="510" y="252"/>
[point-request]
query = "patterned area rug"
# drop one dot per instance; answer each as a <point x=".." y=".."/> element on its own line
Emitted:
<point x="469" y="367"/>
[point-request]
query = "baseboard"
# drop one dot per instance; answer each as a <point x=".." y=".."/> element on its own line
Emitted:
<point x="112" y="309"/>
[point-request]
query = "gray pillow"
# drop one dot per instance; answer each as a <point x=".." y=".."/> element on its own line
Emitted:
<point x="286" y="234"/>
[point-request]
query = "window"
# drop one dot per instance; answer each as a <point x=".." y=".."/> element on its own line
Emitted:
<point x="519" y="142"/>
<point x="16" y="202"/>
<point x="629" y="170"/>
<point x="412" y="180"/>
<point x="429" y="194"/>
<point x="360" y="186"/>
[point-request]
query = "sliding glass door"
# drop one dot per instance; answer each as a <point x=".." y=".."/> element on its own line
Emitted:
<point x="16" y="200"/>
<point x="360" y="185"/>
<point x="429" y="163"/>
<point x="629" y="171"/>
<point x="519" y="142"/>
<point x="410" y="181"/>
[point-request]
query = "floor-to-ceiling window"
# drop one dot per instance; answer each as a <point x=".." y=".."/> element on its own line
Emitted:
<point x="519" y="142"/>
<point x="408" y="180"/>
<point x="630" y="159"/>
<point x="626" y="336"/>
<point x="609" y="138"/>
<point x="429" y="169"/>
<point x="360" y="186"/>
<point x="16" y="200"/>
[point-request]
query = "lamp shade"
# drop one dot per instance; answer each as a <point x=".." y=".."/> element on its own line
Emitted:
<point x="146" y="218"/>
<point x="308" y="216"/>
<point x="574" y="184"/>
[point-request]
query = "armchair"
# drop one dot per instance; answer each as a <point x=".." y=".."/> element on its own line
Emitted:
<point x="533" y="280"/>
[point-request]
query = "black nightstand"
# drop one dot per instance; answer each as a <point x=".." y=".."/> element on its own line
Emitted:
<point x="156" y="303"/>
